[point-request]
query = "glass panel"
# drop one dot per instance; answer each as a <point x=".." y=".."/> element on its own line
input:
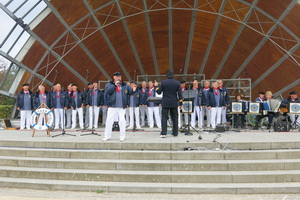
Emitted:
<point x="15" y="4"/>
<point x="15" y="50"/>
<point x="6" y="24"/>
<point x="4" y="66"/>
<point x="4" y="1"/>
<point x="35" y="12"/>
<point x="14" y="35"/>
<point x="10" y="78"/>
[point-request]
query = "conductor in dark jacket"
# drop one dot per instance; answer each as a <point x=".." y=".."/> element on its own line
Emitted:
<point x="171" y="92"/>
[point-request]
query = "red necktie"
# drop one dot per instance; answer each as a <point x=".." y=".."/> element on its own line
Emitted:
<point x="217" y="92"/>
<point x="118" y="88"/>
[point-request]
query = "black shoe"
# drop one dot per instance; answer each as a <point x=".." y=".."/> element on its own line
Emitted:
<point x="255" y="128"/>
<point x="269" y="127"/>
<point x="174" y="135"/>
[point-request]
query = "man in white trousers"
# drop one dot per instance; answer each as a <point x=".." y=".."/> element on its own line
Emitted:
<point x="225" y="93"/>
<point x="143" y="107"/>
<point x="116" y="96"/>
<point x="134" y="107"/>
<point x="69" y="110"/>
<point x="59" y="102"/>
<point x="87" y="110"/>
<point x="215" y="103"/>
<point x="25" y="105"/>
<point x="186" y="116"/>
<point x="93" y="103"/>
<point x="153" y="108"/>
<point x="197" y="106"/>
<point x="77" y="104"/>
<point x="205" y="109"/>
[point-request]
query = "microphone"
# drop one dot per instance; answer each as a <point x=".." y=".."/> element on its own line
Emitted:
<point x="88" y="72"/>
<point x="180" y="71"/>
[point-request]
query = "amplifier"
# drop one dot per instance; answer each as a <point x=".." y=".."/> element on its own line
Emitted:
<point x="281" y="127"/>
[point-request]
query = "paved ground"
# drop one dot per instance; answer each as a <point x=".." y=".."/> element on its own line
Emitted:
<point x="152" y="136"/>
<point x="22" y="194"/>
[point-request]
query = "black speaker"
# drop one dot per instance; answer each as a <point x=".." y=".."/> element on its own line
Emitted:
<point x="220" y="129"/>
<point x="281" y="127"/>
<point x="116" y="126"/>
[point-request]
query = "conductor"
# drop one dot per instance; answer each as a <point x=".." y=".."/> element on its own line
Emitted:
<point x="171" y="93"/>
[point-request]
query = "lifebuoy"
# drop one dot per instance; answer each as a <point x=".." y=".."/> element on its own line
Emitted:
<point x="42" y="124"/>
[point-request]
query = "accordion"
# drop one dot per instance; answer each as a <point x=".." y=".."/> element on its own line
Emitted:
<point x="272" y="105"/>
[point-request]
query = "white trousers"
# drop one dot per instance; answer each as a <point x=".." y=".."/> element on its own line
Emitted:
<point x="144" y="112"/>
<point x="94" y="115"/>
<point x="155" y="111"/>
<point x="87" y="117"/>
<point x="186" y="118"/>
<point x="80" y="115"/>
<point x="197" y="112"/>
<point x="112" y="113"/>
<point x="104" y="114"/>
<point x="68" y="117"/>
<point x="58" y="113"/>
<point x="25" y="118"/>
<point x="136" y="116"/>
<point x="127" y="116"/>
<point x="207" y="112"/>
<point x="223" y="120"/>
<point x="216" y="114"/>
<point x="293" y="119"/>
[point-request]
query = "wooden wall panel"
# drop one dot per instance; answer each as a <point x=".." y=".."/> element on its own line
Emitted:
<point x="100" y="50"/>
<point x="34" y="55"/>
<point x="138" y="29"/>
<point x="224" y="36"/>
<point x="160" y="31"/>
<point x="202" y="34"/>
<point x="266" y="57"/>
<point x="246" y="43"/>
<point x="273" y="7"/>
<point x="71" y="11"/>
<point x="181" y="30"/>
<point x="119" y="40"/>
<point x="292" y="20"/>
<point x="281" y="77"/>
<point x="50" y="29"/>
<point x="94" y="4"/>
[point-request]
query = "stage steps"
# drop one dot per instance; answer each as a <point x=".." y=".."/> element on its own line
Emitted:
<point x="198" y="171"/>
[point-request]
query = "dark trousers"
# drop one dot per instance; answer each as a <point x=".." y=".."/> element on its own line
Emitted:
<point x="270" y="116"/>
<point x="164" y="119"/>
<point x="236" y="117"/>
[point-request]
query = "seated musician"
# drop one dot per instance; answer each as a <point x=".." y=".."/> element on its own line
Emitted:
<point x="239" y="98"/>
<point x="295" y="119"/>
<point x="261" y="97"/>
<point x="270" y="115"/>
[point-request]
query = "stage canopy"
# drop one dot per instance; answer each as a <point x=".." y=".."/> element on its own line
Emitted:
<point x="87" y="40"/>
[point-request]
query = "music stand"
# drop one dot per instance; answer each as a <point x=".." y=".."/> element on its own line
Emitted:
<point x="294" y="109"/>
<point x="189" y="96"/>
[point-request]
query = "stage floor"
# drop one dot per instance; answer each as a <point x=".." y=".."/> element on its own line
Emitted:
<point x="149" y="139"/>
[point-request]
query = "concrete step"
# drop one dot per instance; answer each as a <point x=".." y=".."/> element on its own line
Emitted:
<point x="152" y="165"/>
<point x="145" y="187"/>
<point x="150" y="155"/>
<point x="152" y="176"/>
<point x="151" y="145"/>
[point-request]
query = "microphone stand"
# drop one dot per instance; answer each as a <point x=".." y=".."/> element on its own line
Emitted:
<point x="93" y="132"/>
<point x="63" y="130"/>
